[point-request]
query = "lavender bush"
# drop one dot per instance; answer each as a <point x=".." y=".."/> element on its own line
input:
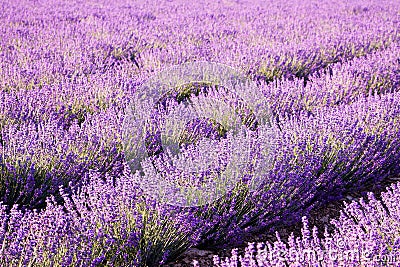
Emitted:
<point x="366" y="233"/>
<point x="103" y="223"/>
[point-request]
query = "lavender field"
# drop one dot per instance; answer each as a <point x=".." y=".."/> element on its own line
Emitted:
<point x="318" y="118"/>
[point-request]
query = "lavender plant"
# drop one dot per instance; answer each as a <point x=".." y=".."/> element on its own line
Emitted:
<point x="37" y="159"/>
<point x="102" y="223"/>
<point x="366" y="233"/>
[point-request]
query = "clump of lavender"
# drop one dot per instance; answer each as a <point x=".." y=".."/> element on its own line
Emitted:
<point x="341" y="83"/>
<point x="102" y="223"/>
<point x="38" y="158"/>
<point x="201" y="128"/>
<point x="366" y="233"/>
<point x="323" y="157"/>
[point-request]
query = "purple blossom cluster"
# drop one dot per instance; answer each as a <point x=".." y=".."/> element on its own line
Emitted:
<point x="104" y="222"/>
<point x="323" y="157"/>
<point x="341" y="83"/>
<point x="329" y="71"/>
<point x="365" y="234"/>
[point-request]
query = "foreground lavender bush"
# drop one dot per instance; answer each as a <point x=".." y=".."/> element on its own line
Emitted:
<point x="322" y="157"/>
<point x="103" y="223"/>
<point x="365" y="234"/>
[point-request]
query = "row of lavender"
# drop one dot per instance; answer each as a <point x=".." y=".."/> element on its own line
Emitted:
<point x="68" y="72"/>
<point x="366" y="234"/>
